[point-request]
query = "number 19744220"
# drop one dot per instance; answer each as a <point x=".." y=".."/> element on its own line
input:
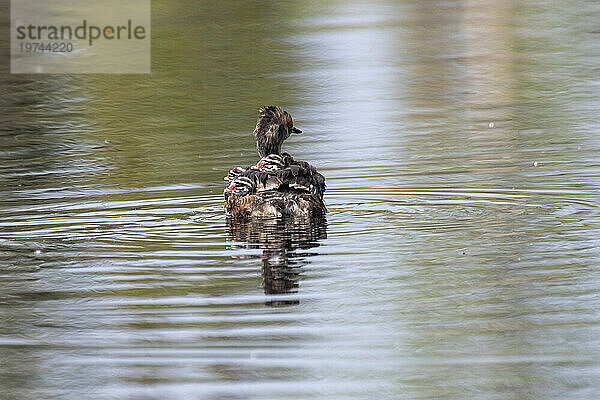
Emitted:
<point x="32" y="47"/>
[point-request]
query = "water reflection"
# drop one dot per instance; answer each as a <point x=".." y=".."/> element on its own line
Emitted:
<point x="279" y="240"/>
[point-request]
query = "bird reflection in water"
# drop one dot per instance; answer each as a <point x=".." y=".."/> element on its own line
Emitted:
<point x="280" y="241"/>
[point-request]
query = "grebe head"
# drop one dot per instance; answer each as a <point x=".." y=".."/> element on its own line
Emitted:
<point x="274" y="125"/>
<point x="270" y="164"/>
<point x="234" y="173"/>
<point x="240" y="186"/>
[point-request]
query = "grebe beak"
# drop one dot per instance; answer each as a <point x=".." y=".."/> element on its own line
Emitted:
<point x="295" y="130"/>
<point x="259" y="166"/>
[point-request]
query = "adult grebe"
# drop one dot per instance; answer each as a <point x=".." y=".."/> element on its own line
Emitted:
<point x="278" y="185"/>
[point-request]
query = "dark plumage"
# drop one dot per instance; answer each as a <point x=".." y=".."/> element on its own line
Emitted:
<point x="274" y="125"/>
<point x="278" y="185"/>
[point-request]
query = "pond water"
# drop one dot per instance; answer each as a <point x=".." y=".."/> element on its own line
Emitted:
<point x="459" y="259"/>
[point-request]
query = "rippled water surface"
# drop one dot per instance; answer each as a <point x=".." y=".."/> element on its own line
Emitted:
<point x="461" y="252"/>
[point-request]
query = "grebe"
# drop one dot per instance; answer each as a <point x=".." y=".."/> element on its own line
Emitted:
<point x="278" y="185"/>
